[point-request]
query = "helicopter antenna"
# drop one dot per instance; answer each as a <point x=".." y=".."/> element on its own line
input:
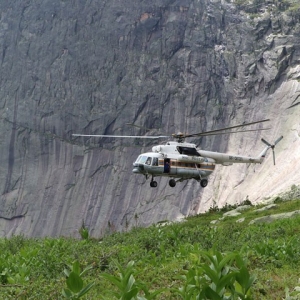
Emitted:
<point x="273" y="146"/>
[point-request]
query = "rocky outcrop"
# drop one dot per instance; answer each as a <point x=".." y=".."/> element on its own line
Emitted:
<point x="91" y="67"/>
<point x="271" y="218"/>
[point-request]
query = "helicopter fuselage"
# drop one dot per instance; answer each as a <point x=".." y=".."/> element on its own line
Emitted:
<point x="184" y="161"/>
<point x="177" y="166"/>
<point x="174" y="160"/>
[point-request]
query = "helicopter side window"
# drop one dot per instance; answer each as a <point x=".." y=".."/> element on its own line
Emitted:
<point x="148" y="161"/>
<point x="155" y="161"/>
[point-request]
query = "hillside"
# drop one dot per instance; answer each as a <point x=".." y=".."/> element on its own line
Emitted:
<point x="258" y="259"/>
<point x="170" y="65"/>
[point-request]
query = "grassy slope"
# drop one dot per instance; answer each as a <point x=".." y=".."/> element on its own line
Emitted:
<point x="33" y="268"/>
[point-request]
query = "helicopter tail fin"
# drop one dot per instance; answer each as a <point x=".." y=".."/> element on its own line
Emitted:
<point x="269" y="146"/>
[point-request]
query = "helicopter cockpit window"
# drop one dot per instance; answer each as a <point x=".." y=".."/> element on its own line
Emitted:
<point x="142" y="159"/>
<point x="155" y="161"/>
<point x="148" y="161"/>
<point x="188" y="151"/>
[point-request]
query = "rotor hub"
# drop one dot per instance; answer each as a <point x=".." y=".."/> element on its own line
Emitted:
<point x="179" y="136"/>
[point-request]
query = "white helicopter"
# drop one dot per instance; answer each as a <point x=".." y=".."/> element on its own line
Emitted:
<point x="182" y="161"/>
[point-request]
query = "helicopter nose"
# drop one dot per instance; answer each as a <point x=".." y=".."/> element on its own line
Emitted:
<point x="138" y="168"/>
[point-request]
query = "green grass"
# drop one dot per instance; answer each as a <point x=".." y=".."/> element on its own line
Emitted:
<point x="175" y="261"/>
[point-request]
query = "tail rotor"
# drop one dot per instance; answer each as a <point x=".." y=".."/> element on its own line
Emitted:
<point x="272" y="146"/>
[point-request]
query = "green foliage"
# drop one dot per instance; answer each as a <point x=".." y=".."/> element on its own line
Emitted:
<point x="175" y="261"/>
<point x="216" y="276"/>
<point x="84" y="232"/>
<point x="75" y="286"/>
<point x="13" y="245"/>
<point x="125" y="282"/>
<point x="294" y="295"/>
<point x="228" y="207"/>
<point x="279" y="251"/>
<point x="127" y="286"/>
<point x="278" y="200"/>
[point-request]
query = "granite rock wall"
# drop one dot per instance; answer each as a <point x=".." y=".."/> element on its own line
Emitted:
<point x="92" y="66"/>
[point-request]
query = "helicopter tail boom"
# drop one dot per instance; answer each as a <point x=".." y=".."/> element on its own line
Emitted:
<point x="227" y="159"/>
<point x="263" y="154"/>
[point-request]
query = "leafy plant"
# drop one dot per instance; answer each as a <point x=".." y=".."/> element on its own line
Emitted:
<point x="216" y="276"/>
<point x="279" y="250"/>
<point x="20" y="275"/>
<point x="294" y="295"/>
<point x="127" y="287"/>
<point x="84" y="232"/>
<point x="125" y="282"/>
<point x="75" y="286"/>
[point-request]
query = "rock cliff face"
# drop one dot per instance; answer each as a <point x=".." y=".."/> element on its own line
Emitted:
<point x="93" y="66"/>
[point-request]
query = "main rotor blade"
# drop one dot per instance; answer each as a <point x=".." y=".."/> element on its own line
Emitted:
<point x="125" y="136"/>
<point x="226" y="128"/>
<point x="238" y="131"/>
<point x="273" y="156"/>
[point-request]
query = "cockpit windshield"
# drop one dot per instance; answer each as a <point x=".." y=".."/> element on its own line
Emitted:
<point x="141" y="159"/>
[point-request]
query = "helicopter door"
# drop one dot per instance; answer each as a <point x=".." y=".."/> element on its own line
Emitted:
<point x="167" y="165"/>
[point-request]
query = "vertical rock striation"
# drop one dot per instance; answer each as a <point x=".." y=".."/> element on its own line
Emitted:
<point x="93" y="66"/>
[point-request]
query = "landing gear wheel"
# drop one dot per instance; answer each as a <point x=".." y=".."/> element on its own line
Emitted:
<point x="172" y="182"/>
<point x="204" y="183"/>
<point x="153" y="183"/>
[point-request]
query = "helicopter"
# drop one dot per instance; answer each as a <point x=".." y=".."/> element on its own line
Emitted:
<point x="179" y="160"/>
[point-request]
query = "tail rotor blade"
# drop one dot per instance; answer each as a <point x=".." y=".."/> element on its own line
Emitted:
<point x="272" y="146"/>
<point x="273" y="156"/>
<point x="264" y="141"/>
<point x="278" y="140"/>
